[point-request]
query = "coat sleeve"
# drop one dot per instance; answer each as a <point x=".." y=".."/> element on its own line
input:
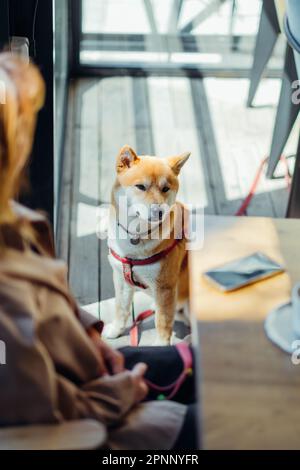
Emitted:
<point x="46" y="242"/>
<point x="34" y="390"/>
<point x="87" y="321"/>
<point x="107" y="399"/>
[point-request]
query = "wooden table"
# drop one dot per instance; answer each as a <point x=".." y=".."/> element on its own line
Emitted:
<point x="249" y="388"/>
<point x="72" y="435"/>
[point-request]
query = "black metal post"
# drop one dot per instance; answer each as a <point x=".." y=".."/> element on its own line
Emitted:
<point x="287" y="112"/>
<point x="36" y="22"/>
<point x="4" y="24"/>
<point x="42" y="163"/>
<point x="293" y="210"/>
<point x="75" y="14"/>
<point x="269" y="30"/>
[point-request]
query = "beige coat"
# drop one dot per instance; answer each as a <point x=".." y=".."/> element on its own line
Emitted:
<point x="51" y="372"/>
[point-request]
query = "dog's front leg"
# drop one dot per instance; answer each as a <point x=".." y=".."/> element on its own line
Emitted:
<point x="165" y="300"/>
<point x="124" y="296"/>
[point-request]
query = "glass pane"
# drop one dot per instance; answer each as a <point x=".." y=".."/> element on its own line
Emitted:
<point x="170" y="33"/>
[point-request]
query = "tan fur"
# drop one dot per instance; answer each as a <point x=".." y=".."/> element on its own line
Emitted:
<point x="170" y="285"/>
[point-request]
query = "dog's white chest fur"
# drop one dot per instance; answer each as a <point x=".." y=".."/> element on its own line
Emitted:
<point x="146" y="275"/>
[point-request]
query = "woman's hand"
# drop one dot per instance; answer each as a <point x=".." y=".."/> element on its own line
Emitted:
<point x="141" y="388"/>
<point x="110" y="360"/>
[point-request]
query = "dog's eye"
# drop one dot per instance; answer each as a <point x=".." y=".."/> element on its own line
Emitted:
<point x="141" y="187"/>
<point x="165" y="189"/>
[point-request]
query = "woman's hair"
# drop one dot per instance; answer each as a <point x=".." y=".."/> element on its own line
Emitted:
<point x="22" y="95"/>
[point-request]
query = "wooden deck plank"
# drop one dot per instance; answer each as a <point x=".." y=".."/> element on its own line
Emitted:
<point x="187" y="139"/>
<point x="163" y="120"/>
<point x="86" y="103"/>
<point x="142" y="117"/>
<point x="84" y="245"/>
<point x="116" y="127"/>
<point x="207" y="142"/>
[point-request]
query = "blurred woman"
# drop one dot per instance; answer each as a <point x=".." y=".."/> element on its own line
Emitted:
<point x="58" y="368"/>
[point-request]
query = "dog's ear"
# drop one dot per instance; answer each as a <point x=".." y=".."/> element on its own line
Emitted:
<point x="176" y="163"/>
<point x="126" y="158"/>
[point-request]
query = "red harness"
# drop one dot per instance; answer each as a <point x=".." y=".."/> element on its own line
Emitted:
<point x="129" y="263"/>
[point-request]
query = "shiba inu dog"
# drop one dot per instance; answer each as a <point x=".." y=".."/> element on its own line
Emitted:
<point x="147" y="239"/>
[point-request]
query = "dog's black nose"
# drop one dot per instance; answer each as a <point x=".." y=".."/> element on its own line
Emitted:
<point x="157" y="213"/>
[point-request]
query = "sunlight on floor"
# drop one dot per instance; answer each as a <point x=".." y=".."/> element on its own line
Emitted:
<point x="244" y="135"/>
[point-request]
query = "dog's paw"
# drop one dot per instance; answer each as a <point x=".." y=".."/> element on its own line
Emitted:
<point x="113" y="330"/>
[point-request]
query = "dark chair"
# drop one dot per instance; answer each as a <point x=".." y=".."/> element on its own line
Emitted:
<point x="268" y="33"/>
<point x="292" y="31"/>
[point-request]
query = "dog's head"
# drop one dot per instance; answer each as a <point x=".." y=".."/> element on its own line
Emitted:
<point x="149" y="184"/>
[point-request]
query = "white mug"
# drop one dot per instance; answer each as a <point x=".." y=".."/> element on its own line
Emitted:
<point x="296" y="309"/>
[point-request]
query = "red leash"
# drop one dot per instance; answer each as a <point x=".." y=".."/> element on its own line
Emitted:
<point x="183" y="351"/>
<point x="242" y="210"/>
<point x="187" y="360"/>
<point x="134" y="330"/>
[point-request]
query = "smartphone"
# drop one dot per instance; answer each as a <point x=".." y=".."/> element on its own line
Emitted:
<point x="243" y="272"/>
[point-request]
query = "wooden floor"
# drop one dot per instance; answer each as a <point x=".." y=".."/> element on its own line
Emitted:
<point x="161" y="116"/>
